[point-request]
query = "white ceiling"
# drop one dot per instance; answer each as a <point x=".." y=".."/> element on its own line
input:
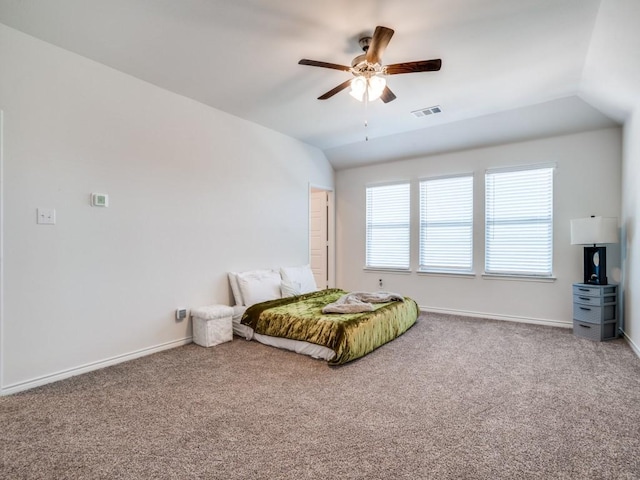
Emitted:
<point x="241" y="57"/>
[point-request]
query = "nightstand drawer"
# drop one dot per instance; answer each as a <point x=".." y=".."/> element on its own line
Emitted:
<point x="595" y="332"/>
<point x="591" y="314"/>
<point x="597" y="301"/>
<point x="595" y="291"/>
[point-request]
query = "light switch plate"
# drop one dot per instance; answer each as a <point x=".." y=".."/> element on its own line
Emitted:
<point x="46" y="216"/>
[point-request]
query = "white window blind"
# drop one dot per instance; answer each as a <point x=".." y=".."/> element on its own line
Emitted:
<point x="446" y="224"/>
<point x="388" y="226"/>
<point x="519" y="222"/>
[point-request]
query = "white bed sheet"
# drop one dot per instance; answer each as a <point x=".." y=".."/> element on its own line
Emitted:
<point x="305" y="348"/>
<point x="238" y="328"/>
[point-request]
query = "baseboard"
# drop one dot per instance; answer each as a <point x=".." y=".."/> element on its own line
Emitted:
<point x="71" y="372"/>
<point x="494" y="316"/>
<point x="633" y="346"/>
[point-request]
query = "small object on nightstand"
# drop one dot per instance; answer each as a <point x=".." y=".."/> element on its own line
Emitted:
<point x="595" y="311"/>
<point x="212" y="325"/>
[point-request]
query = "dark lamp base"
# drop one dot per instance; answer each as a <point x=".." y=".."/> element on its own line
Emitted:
<point x="595" y="265"/>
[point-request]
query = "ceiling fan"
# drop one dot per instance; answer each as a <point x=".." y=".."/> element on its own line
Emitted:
<point x="369" y="82"/>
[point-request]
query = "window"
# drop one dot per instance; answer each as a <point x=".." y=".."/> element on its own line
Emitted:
<point x="519" y="221"/>
<point x="388" y="226"/>
<point x="446" y="224"/>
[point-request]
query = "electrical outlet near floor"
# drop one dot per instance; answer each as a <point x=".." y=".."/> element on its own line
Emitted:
<point x="181" y="313"/>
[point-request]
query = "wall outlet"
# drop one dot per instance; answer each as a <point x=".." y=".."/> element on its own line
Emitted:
<point x="181" y="314"/>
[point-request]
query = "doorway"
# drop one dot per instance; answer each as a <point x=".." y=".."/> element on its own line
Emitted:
<point x="321" y="236"/>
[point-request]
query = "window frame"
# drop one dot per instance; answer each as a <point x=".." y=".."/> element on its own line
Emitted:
<point x="466" y="270"/>
<point x="522" y="220"/>
<point x="403" y="224"/>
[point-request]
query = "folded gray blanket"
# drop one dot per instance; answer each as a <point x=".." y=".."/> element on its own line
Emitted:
<point x="357" y="302"/>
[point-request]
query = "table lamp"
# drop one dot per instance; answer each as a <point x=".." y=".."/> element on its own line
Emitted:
<point x="594" y="231"/>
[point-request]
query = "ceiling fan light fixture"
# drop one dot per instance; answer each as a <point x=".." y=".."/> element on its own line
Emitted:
<point x="373" y="87"/>
<point x="368" y="69"/>
<point x="376" y="87"/>
<point x="358" y="87"/>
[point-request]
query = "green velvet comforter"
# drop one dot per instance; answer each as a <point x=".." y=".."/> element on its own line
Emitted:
<point x="350" y="335"/>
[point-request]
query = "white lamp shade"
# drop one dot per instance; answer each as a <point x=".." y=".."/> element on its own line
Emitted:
<point x="594" y="230"/>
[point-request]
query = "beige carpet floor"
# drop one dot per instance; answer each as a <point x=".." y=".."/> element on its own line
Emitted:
<point x="453" y="398"/>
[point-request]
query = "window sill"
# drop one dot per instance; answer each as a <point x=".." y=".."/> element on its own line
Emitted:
<point x="434" y="273"/>
<point x="519" y="278"/>
<point x="388" y="270"/>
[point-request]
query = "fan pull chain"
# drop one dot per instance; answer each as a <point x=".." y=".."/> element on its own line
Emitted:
<point x="366" y="115"/>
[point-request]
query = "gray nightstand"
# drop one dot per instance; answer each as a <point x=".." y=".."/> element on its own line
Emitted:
<point x="595" y="311"/>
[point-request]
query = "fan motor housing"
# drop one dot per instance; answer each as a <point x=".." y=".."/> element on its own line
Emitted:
<point x="364" y="43"/>
<point x="358" y="60"/>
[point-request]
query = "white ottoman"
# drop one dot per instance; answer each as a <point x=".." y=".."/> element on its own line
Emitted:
<point x="212" y="325"/>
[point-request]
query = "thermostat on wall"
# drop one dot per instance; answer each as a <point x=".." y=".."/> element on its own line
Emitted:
<point x="99" y="200"/>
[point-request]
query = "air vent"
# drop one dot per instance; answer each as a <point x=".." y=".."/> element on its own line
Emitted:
<point x="423" y="112"/>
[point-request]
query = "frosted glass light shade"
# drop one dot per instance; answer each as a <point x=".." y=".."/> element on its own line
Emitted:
<point x="373" y="87"/>
<point x="594" y="230"/>
<point x="376" y="87"/>
<point x="358" y="87"/>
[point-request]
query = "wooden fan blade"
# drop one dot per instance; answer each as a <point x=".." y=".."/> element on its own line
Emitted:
<point x="414" y="67"/>
<point x="335" y="90"/>
<point x="379" y="42"/>
<point x="314" y="63"/>
<point x="387" y="95"/>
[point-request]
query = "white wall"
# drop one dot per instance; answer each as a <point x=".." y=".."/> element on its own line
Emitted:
<point x="611" y="82"/>
<point x="586" y="182"/>
<point x="631" y="237"/>
<point x="194" y="193"/>
<point x="611" y="74"/>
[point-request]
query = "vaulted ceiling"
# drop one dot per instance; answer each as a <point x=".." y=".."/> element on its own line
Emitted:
<point x="511" y="70"/>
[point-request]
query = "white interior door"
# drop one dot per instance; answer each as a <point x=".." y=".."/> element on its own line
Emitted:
<point x="319" y="236"/>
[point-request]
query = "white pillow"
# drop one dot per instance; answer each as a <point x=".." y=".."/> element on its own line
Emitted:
<point x="235" y="288"/>
<point x="290" y="289"/>
<point x="299" y="275"/>
<point x="259" y="286"/>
